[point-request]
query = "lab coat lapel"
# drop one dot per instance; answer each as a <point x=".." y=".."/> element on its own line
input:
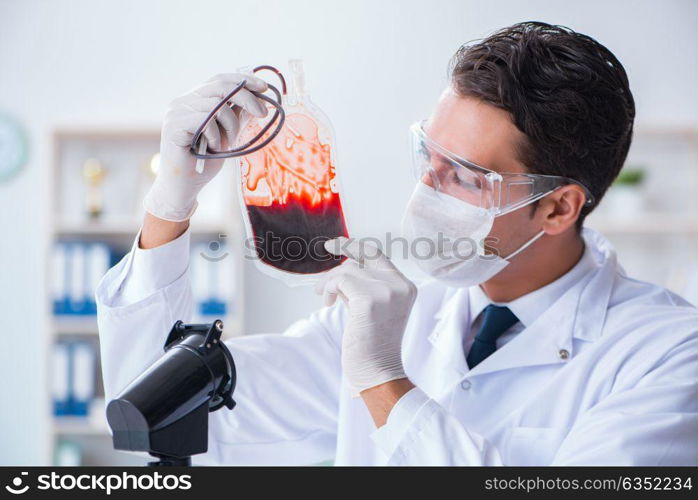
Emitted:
<point x="578" y="314"/>
<point x="539" y="344"/>
<point x="446" y="363"/>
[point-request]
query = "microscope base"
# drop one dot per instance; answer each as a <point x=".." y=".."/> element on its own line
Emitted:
<point x="171" y="462"/>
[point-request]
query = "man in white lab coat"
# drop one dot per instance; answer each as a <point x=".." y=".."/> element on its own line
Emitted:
<point x="536" y="349"/>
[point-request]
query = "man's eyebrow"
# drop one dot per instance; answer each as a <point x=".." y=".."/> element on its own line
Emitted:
<point x="440" y="158"/>
<point x="436" y="156"/>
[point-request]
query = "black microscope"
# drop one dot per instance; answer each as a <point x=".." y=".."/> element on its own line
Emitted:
<point x="164" y="411"/>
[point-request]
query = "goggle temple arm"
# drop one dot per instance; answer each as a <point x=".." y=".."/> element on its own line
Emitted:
<point x="541" y="186"/>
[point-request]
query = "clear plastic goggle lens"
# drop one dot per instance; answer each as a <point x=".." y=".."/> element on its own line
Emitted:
<point x="454" y="176"/>
<point x="447" y="177"/>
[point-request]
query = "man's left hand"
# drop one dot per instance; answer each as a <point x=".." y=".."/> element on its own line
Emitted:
<point x="379" y="300"/>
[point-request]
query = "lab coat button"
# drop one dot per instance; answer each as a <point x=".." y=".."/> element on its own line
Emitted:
<point x="564" y="354"/>
<point x="466" y="385"/>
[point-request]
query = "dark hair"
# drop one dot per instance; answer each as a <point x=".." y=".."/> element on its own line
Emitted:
<point x="565" y="91"/>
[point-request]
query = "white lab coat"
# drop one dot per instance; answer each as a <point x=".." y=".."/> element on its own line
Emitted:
<point x="626" y="394"/>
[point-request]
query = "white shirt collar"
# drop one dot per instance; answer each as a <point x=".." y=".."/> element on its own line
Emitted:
<point x="530" y="306"/>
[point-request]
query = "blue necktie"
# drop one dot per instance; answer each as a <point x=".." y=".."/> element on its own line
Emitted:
<point x="495" y="321"/>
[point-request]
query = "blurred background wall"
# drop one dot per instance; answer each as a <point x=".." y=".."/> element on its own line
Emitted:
<point x="373" y="66"/>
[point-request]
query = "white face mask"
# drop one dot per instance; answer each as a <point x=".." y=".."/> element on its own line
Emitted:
<point x="447" y="238"/>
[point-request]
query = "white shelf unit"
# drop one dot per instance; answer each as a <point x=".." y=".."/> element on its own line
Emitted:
<point x="646" y="223"/>
<point x="127" y="153"/>
<point x="657" y="240"/>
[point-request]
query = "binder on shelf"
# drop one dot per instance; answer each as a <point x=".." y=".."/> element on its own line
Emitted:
<point x="61" y="384"/>
<point x="77" y="269"/>
<point x="73" y="377"/>
<point x="98" y="263"/>
<point x="83" y="387"/>
<point x="76" y="280"/>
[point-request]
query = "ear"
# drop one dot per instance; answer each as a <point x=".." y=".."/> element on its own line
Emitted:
<point x="562" y="208"/>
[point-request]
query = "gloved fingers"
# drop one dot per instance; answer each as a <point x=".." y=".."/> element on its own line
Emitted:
<point x="192" y="111"/>
<point x="330" y="292"/>
<point x="243" y="116"/>
<point x="247" y="101"/>
<point x="346" y="286"/>
<point x="327" y="285"/>
<point x="212" y="134"/>
<point x="365" y="253"/>
<point x="184" y="118"/>
<point x="196" y="103"/>
<point x="229" y="124"/>
<point x="347" y="247"/>
<point x="233" y="79"/>
<point x="351" y="286"/>
<point x="179" y="127"/>
<point x="326" y="277"/>
<point x="243" y="98"/>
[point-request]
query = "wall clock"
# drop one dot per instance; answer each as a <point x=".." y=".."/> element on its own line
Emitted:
<point x="13" y="147"/>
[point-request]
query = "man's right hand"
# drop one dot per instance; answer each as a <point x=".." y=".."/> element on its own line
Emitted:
<point x="171" y="200"/>
<point x="172" y="196"/>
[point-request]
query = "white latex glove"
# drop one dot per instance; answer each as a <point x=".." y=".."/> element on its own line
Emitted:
<point x="173" y="194"/>
<point x="379" y="300"/>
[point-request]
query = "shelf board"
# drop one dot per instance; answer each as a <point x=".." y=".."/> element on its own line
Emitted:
<point x="87" y="325"/>
<point x="78" y="426"/>
<point x="644" y="224"/>
<point x="78" y="325"/>
<point x="127" y="228"/>
<point x="117" y="132"/>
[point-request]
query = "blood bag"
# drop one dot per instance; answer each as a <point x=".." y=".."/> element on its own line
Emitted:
<point x="289" y="191"/>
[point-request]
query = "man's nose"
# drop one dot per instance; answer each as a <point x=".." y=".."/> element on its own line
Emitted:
<point x="429" y="178"/>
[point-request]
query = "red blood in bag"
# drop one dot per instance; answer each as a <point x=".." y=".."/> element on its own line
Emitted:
<point x="291" y="236"/>
<point x="292" y="203"/>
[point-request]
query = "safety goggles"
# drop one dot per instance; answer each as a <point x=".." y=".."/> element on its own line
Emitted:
<point x="497" y="192"/>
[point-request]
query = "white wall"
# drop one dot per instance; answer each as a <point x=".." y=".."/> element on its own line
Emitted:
<point x="373" y="66"/>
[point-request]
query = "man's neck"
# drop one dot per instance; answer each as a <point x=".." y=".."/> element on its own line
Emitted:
<point x="542" y="263"/>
